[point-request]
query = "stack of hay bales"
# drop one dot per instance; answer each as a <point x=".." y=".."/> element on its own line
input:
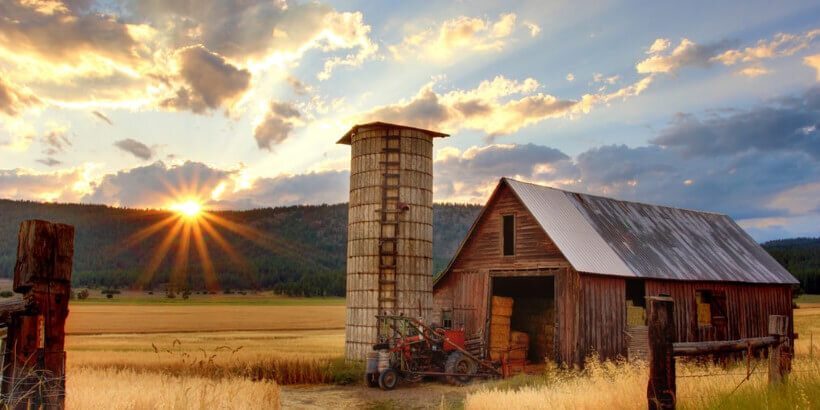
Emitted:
<point x="519" y="345"/>
<point x="501" y="312"/>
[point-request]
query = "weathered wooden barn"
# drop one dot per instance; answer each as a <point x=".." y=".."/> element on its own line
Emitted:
<point x="579" y="267"/>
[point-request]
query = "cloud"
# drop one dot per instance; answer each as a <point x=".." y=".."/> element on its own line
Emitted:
<point x="158" y="185"/>
<point x="570" y="77"/>
<point x="686" y="54"/>
<point x="135" y="148"/>
<point x="659" y="45"/>
<point x="276" y="125"/>
<point x="489" y="107"/>
<point x="15" y="99"/>
<point x="299" y="87"/>
<point x="102" y="117"/>
<point x="49" y="162"/>
<point x="690" y="54"/>
<point x="63" y="185"/>
<point x="783" y="44"/>
<point x="534" y="29"/>
<point x="55" y="140"/>
<point x="459" y="34"/>
<point x="313" y="188"/>
<point x="261" y="33"/>
<point x="814" y="62"/>
<point x="210" y="82"/>
<point x="788" y="123"/>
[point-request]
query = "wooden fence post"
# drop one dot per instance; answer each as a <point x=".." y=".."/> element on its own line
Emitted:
<point x="34" y="371"/>
<point x="778" y="327"/>
<point x="661" y="391"/>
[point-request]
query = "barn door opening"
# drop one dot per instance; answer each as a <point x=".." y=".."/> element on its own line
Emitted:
<point x="533" y="313"/>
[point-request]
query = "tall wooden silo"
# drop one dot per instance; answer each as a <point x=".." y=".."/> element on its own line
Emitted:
<point x="390" y="229"/>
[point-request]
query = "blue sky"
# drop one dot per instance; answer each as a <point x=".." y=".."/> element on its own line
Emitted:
<point x="238" y="104"/>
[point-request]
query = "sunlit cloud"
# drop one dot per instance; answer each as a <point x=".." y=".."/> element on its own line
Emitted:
<point x="459" y="34"/>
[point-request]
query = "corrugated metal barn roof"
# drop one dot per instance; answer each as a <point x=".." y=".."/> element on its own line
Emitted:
<point x="612" y="237"/>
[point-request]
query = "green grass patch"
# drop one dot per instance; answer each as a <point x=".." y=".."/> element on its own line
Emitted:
<point x="806" y="298"/>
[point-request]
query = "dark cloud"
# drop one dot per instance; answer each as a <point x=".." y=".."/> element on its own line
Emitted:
<point x="424" y="111"/>
<point x="313" y="188"/>
<point x="135" y="148"/>
<point x="467" y="174"/>
<point x="784" y="124"/>
<point x="55" y="141"/>
<point x="157" y="185"/>
<point x="299" y="87"/>
<point x="210" y="82"/>
<point x="50" y="162"/>
<point x="102" y="117"/>
<point x="235" y="28"/>
<point x="686" y="54"/>
<point x="276" y="126"/>
<point x="66" y="36"/>
<point x="13" y="100"/>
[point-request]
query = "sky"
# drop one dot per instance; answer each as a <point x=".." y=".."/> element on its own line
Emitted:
<point x="238" y="104"/>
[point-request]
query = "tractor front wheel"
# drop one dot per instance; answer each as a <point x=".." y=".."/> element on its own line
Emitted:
<point x="388" y="379"/>
<point x="457" y="362"/>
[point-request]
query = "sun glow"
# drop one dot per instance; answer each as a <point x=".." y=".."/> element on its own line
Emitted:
<point x="188" y="208"/>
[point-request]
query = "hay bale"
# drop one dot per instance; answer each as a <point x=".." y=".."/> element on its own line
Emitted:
<point x="502" y="306"/>
<point x="519" y="338"/>
<point x="499" y="320"/>
<point x="499" y="336"/>
<point x="518" y="355"/>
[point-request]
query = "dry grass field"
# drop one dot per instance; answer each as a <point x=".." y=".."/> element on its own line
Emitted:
<point x="154" y="355"/>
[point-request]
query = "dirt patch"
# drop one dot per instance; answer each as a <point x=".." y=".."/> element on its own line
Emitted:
<point x="424" y="395"/>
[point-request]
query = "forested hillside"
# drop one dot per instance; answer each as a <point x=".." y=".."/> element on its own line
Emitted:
<point x="296" y="250"/>
<point x="801" y="256"/>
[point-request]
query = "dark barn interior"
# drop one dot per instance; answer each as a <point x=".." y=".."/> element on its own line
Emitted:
<point x="533" y="311"/>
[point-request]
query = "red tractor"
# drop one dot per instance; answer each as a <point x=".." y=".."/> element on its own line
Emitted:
<point x="410" y="350"/>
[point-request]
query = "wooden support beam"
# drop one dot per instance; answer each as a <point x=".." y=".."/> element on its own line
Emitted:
<point x="703" y="348"/>
<point x="34" y="375"/>
<point x="778" y="328"/>
<point x="661" y="392"/>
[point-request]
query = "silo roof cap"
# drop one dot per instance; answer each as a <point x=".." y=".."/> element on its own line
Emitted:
<point x="346" y="138"/>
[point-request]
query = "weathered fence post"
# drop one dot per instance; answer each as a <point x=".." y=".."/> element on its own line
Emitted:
<point x="778" y="328"/>
<point x="34" y="365"/>
<point x="661" y="390"/>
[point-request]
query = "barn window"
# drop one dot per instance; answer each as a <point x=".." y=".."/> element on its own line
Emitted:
<point x="703" y="301"/>
<point x="711" y="307"/>
<point x="509" y="234"/>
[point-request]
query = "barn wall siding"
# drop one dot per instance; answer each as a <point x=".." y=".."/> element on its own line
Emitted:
<point x="748" y="306"/>
<point x="602" y="316"/>
<point x="533" y="248"/>
<point x="465" y="294"/>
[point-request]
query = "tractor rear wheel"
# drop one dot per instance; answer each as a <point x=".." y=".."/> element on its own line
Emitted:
<point x="457" y="362"/>
<point x="388" y="379"/>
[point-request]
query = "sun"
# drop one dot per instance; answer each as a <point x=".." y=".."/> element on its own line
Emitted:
<point x="188" y="208"/>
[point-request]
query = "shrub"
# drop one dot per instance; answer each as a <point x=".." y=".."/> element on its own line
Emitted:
<point x="83" y="294"/>
<point x="109" y="295"/>
<point x="186" y="294"/>
<point x="6" y="294"/>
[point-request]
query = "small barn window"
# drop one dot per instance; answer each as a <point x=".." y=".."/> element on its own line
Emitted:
<point x="509" y="234"/>
<point x="703" y="301"/>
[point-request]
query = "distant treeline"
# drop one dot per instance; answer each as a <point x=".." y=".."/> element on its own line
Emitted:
<point x="296" y="250"/>
<point x="801" y="256"/>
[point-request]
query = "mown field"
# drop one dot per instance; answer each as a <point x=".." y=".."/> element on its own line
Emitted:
<point x="221" y="353"/>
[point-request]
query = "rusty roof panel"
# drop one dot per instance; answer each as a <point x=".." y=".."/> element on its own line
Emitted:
<point x="612" y="237"/>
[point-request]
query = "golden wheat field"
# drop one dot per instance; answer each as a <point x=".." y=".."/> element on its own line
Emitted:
<point x="190" y="364"/>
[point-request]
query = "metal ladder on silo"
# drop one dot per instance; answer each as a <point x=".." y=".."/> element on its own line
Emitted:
<point x="389" y="223"/>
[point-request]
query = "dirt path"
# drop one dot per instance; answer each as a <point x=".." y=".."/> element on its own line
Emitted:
<point x="406" y="396"/>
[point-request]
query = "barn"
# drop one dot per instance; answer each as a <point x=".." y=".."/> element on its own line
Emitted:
<point x="578" y="268"/>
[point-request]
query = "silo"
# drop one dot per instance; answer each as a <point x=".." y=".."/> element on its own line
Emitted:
<point x="390" y="229"/>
